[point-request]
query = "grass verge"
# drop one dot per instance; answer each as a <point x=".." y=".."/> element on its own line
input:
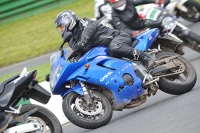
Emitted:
<point x="42" y="70"/>
<point x="36" y="35"/>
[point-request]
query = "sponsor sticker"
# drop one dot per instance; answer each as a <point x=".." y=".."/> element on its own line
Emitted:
<point x="153" y="14"/>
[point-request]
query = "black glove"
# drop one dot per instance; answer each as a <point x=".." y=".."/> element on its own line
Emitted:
<point x="73" y="54"/>
<point x="78" y="47"/>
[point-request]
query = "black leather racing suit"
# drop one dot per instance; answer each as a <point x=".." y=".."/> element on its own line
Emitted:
<point x="128" y="19"/>
<point x="91" y="34"/>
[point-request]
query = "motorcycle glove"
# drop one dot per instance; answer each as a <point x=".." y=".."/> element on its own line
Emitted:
<point x="78" y="47"/>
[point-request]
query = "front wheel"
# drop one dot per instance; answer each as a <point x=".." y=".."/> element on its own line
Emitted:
<point x="98" y="114"/>
<point x="193" y="13"/>
<point x="180" y="83"/>
<point x="47" y="120"/>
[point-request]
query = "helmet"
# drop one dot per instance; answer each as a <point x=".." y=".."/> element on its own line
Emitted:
<point x="66" y="21"/>
<point x="118" y="4"/>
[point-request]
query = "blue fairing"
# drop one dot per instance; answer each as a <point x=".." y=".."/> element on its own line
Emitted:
<point x="104" y="71"/>
<point x="146" y="39"/>
<point x="98" y="51"/>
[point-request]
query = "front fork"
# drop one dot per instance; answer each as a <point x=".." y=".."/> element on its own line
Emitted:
<point x="87" y="94"/>
<point x="180" y="5"/>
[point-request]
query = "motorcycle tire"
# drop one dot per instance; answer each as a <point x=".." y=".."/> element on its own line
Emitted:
<point x="193" y="41"/>
<point x="86" y="117"/>
<point x="176" y="84"/>
<point x="44" y="117"/>
<point x="193" y="8"/>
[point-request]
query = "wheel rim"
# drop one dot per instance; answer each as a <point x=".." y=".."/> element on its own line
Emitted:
<point x="177" y="78"/>
<point x="192" y="14"/>
<point x="93" y="112"/>
<point x="42" y="124"/>
<point x="94" y="109"/>
<point x="181" y="69"/>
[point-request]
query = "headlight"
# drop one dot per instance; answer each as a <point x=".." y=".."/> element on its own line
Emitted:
<point x="55" y="76"/>
<point x="168" y="22"/>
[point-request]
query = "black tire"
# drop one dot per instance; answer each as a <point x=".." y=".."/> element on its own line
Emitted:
<point x="193" y="8"/>
<point x="82" y="119"/>
<point x="193" y="41"/>
<point x="170" y="85"/>
<point x="45" y="115"/>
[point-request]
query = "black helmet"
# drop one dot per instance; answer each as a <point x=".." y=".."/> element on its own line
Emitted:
<point x="67" y="20"/>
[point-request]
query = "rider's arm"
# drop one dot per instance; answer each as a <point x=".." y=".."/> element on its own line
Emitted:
<point x="90" y="28"/>
<point x="81" y="45"/>
<point x="120" y="25"/>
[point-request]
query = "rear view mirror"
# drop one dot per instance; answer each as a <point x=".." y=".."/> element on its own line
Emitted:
<point x="67" y="36"/>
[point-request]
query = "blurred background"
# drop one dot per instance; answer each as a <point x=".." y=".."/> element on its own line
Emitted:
<point x="27" y="29"/>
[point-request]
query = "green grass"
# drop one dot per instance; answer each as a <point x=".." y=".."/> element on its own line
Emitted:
<point x="36" y="35"/>
<point x="42" y="70"/>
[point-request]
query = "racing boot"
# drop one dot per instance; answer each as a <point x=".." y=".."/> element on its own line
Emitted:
<point x="4" y="123"/>
<point x="147" y="59"/>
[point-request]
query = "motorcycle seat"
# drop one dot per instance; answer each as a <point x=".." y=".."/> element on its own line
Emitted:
<point x="2" y="85"/>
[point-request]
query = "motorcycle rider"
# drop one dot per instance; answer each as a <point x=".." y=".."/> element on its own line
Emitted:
<point x="88" y="34"/>
<point x="125" y="16"/>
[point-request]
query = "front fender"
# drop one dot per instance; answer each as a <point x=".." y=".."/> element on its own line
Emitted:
<point x="76" y="89"/>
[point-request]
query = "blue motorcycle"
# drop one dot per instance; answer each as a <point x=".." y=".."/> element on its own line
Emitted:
<point x="95" y="84"/>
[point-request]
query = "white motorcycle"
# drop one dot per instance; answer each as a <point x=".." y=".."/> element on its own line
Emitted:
<point x="187" y="9"/>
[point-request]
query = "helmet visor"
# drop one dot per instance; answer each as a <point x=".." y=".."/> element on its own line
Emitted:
<point x="62" y="24"/>
<point x="61" y="29"/>
<point x="64" y="20"/>
<point x="118" y="4"/>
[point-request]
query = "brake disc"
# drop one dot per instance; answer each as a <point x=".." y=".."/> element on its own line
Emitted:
<point x="94" y="109"/>
<point x="181" y="66"/>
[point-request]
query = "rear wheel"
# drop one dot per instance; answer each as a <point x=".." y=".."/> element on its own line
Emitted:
<point x="179" y="83"/>
<point x="46" y="119"/>
<point x="193" y="13"/>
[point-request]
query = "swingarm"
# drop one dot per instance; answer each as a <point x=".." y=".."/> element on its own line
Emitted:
<point x="165" y="65"/>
